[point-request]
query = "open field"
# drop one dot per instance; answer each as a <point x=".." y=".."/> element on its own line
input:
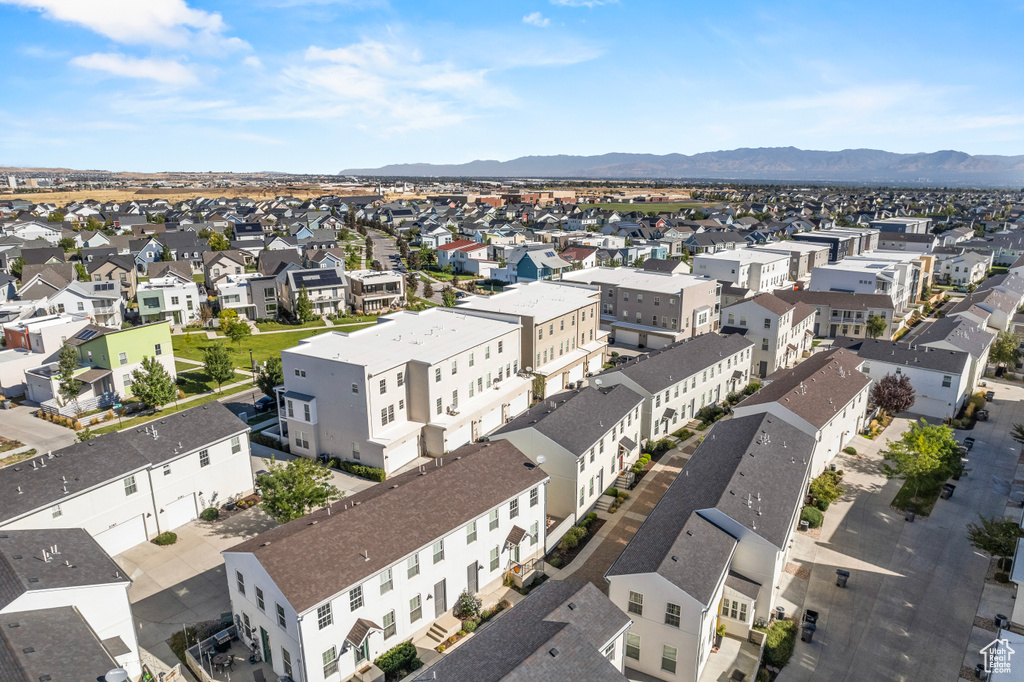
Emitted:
<point x="656" y="207"/>
<point x="264" y="346"/>
<point x="172" y="194"/>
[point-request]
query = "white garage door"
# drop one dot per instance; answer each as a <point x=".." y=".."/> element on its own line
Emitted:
<point x="627" y="338"/>
<point x="400" y="455"/>
<point x="490" y="421"/>
<point x="122" y="536"/>
<point x="654" y="341"/>
<point x="178" y="513"/>
<point x="458" y="437"/>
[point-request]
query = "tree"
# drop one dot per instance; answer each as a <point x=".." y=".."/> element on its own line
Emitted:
<point x="165" y="253"/>
<point x="16" y="266"/>
<point x="875" y="326"/>
<point x="218" y="242"/>
<point x="237" y="331"/>
<point x="893" y="393"/>
<point x="924" y="451"/>
<point x="83" y="274"/>
<point x="412" y="283"/>
<point x="448" y="297"/>
<point x="926" y="293"/>
<point x="93" y="224"/>
<point x="152" y="384"/>
<point x="55" y="217"/>
<point x="428" y="290"/>
<point x="995" y="536"/>
<point x="66" y="243"/>
<point x="467" y="606"/>
<point x="1005" y="349"/>
<point x="269" y="376"/>
<point x="205" y="313"/>
<point x="414" y="260"/>
<point x="303" y="306"/>
<point x="227" y="317"/>
<point x="68" y="386"/>
<point x="293" y="489"/>
<point x="217" y="361"/>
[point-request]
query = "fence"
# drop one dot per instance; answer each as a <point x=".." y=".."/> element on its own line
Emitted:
<point x="80" y="406"/>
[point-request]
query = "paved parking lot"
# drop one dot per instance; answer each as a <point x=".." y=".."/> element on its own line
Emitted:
<point x="19" y="423"/>
<point x="914" y="587"/>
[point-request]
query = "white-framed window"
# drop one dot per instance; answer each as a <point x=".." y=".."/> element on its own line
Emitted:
<point x="534" y="497"/>
<point x="324" y="616"/>
<point x="494" y="559"/>
<point x="330" y="659"/>
<point x="534" y="533"/>
<point x="633" y="646"/>
<point x="636" y="603"/>
<point x="609" y="651"/>
<point x="122" y="358"/>
<point x="389" y="625"/>
<point x="415" y="609"/>
<point x="947" y="381"/>
<point x="240" y="582"/>
<point x="492" y="519"/>
<point x="280" y="616"/>
<point x="386" y="581"/>
<point x="471" y="532"/>
<point x="56" y="511"/>
<point x="130" y="488"/>
<point x="167" y="470"/>
<point x="412" y="566"/>
<point x="204" y="458"/>
<point x="383" y="386"/>
<point x="286" y="660"/>
<point x="513" y="508"/>
<point x="260" y="604"/>
<point x="672" y="613"/>
<point x="668" y="658"/>
<point x="236" y="444"/>
<point x="439" y="551"/>
<point x="355" y="598"/>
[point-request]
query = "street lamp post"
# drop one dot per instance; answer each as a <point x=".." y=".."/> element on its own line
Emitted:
<point x="252" y="367"/>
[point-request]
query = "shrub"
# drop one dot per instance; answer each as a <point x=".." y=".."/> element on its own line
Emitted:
<point x="555" y="562"/>
<point x="469" y="625"/>
<point x="441" y="648"/>
<point x="612" y="492"/>
<point x="1002" y="578"/>
<point x="850" y="450"/>
<point x="397" y="660"/>
<point x="572" y="538"/>
<point x="467" y="606"/>
<point x="812" y="516"/>
<point x="763" y="676"/>
<point x="683" y="434"/>
<point x="453" y="639"/>
<point x="211" y="514"/>
<point x="165" y="539"/>
<point x="822" y="505"/>
<point x="504" y="604"/>
<point x="370" y="473"/>
<point x="752" y="387"/>
<point x="826" y="488"/>
<point x="461" y="633"/>
<point x="182" y="640"/>
<point x="779" y="643"/>
<point x="591" y="517"/>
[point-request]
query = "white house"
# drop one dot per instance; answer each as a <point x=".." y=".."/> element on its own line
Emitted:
<point x="168" y="298"/>
<point x="970" y="267"/>
<point x="959" y="333"/>
<point x="457" y="254"/>
<point x="780" y="331"/>
<point x="65" y="593"/>
<point x="129" y="486"/>
<point x="399" y="555"/>
<point x="756" y="270"/>
<point x="101" y="301"/>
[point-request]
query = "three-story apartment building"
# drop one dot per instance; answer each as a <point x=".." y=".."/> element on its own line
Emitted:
<point x="780" y="331"/>
<point x="752" y="269"/>
<point x="371" y="291"/>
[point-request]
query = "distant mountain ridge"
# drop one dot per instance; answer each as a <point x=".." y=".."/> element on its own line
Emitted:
<point x="786" y="164"/>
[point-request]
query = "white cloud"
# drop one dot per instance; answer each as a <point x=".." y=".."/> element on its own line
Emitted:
<point x="536" y="19"/>
<point x="168" y="23"/>
<point x="161" y="70"/>
<point x="253" y="61"/>
<point x="583" y="3"/>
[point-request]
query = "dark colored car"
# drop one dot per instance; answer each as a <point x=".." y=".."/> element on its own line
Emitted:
<point x="265" y="404"/>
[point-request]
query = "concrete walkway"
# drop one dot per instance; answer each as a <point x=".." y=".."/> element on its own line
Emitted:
<point x="914" y="588"/>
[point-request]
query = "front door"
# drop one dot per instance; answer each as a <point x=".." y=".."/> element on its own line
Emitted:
<point x="440" y="599"/>
<point x="471" y="577"/>
<point x="763" y="369"/>
<point x="265" y="640"/>
<point x="363" y="651"/>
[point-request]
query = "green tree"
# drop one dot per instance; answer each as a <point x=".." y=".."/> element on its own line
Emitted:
<point x="414" y="260"/>
<point x="66" y="243"/>
<point x="926" y="292"/>
<point x="68" y="386"/>
<point x="152" y="383"/>
<point x="83" y="274"/>
<point x="995" y="536"/>
<point x="93" y="224"/>
<point x="304" y="307"/>
<point x="85" y="434"/>
<point x="428" y="290"/>
<point x="218" y="242"/>
<point x="55" y="217"/>
<point x="293" y="489"/>
<point x="16" y="266"/>
<point x="412" y="284"/>
<point x="217" y="361"/>
<point x="1005" y="349"/>
<point x="165" y="253"/>
<point x="924" y="451"/>
<point x="448" y="297"/>
<point x="237" y="331"/>
<point x="269" y="376"/>
<point x="227" y="317"/>
<point x="893" y="393"/>
<point x="875" y="326"/>
<point x="826" y="488"/>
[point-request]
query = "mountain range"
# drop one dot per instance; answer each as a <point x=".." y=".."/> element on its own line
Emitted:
<point x="783" y="164"/>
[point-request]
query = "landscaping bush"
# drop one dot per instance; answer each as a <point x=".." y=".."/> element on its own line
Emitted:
<point x="752" y="387"/>
<point x="504" y="604"/>
<point x="779" y="643"/>
<point x="469" y="625"/>
<point x="572" y="538"/>
<point x="683" y="434"/>
<point x="850" y="450"/>
<point x="612" y="492"/>
<point x="764" y="676"/>
<point x="370" y="473"/>
<point x="822" y="505"/>
<point x="399" y="661"/>
<point x="182" y="640"/>
<point x="1002" y="578"/>
<point x="555" y="562"/>
<point x="588" y="519"/>
<point x="268" y="442"/>
<point x="812" y="516"/>
<point x="210" y="514"/>
<point x="164" y="539"/>
<point x="467" y="606"/>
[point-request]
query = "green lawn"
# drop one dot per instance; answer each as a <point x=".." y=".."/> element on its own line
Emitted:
<point x="353" y="319"/>
<point x="658" y="208"/>
<point x="445" y="277"/>
<point x="180" y="366"/>
<point x="200" y="278"/>
<point x="278" y="326"/>
<point x="927" y="495"/>
<point x="168" y="409"/>
<point x="198" y="381"/>
<point x="264" y="346"/>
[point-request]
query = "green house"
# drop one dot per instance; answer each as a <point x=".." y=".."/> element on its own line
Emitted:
<point x="113" y="354"/>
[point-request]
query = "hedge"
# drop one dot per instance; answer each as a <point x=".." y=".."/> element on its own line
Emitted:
<point x="370" y="473"/>
<point x="812" y="515"/>
<point x="401" y="659"/>
<point x="210" y="514"/>
<point x="167" y="538"/>
<point x="779" y="643"/>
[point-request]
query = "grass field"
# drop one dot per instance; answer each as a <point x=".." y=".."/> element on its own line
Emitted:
<point x="197" y="381"/>
<point x="278" y="326"/>
<point x="658" y="208"/>
<point x="264" y="346"/>
<point x="168" y="409"/>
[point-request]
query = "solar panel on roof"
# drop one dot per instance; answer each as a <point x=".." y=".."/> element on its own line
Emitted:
<point x="86" y="334"/>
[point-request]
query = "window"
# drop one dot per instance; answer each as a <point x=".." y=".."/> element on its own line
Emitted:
<point x="383" y="386"/>
<point x="492" y="519"/>
<point x="534" y="497"/>
<point x="204" y="458"/>
<point x="591" y="486"/>
<point x="236" y="444"/>
<point x="668" y="659"/>
<point x="455" y="367"/>
<point x="455" y="398"/>
<point x="286" y="660"/>
<point x="540" y="333"/>
<point x="672" y="613"/>
<point x="501" y="346"/>
<point x="401" y="379"/>
<point x="300" y="440"/>
<point x="471" y="361"/>
<point x="487" y="352"/>
<point x="129" y="486"/>
<point x="439" y="551"/>
<point x="355" y="388"/>
<point x="122" y="358"/>
<point x="389" y="625"/>
<point x="764" y="344"/>
<point x="471" y="532"/>
<point x="633" y="646"/>
<point x="438" y="406"/>
<point x="167" y="470"/>
<point x="355" y="598"/>
<point x="767" y="323"/>
<point x="386" y="582"/>
<point x="324" y="616"/>
<point x="415" y="609"/>
<point x="355" y="449"/>
<point x="609" y="651"/>
<point x="413" y="566"/>
<point x="494" y="559"/>
<point x="330" y="659"/>
<point x="240" y="582"/>
<point x="259" y="600"/>
<point x="291" y="410"/>
<point x="513" y="508"/>
<point x="636" y="603"/>
<point x="56" y="511"/>
<point x="947" y="381"/>
<point x="437" y="374"/>
<point x="280" y="616"/>
<point x="306" y="413"/>
<point x="158" y="349"/>
<point x="583" y="490"/>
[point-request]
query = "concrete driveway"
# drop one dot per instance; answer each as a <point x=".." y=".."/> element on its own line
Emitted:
<point x="184" y="583"/>
<point x="345" y="482"/>
<point x="20" y="424"/>
<point x="914" y="588"/>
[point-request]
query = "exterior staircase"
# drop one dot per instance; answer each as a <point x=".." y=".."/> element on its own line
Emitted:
<point x="604" y="502"/>
<point x="443" y="628"/>
<point x="622" y="482"/>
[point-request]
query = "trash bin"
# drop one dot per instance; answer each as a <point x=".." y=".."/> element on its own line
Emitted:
<point x="947" y="491"/>
<point x="804" y="526"/>
<point x="980" y="672"/>
<point x="810" y="616"/>
<point x="1001" y="621"/>
<point x="841" y="577"/>
<point x="807" y="632"/>
<point x="831" y="467"/>
<point x="909" y="516"/>
<point x="780" y="612"/>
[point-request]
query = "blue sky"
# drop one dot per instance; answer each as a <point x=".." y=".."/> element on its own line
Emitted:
<point x="321" y="85"/>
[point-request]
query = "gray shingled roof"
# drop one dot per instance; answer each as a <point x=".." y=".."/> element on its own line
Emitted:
<point x="666" y="366"/>
<point x="925" y="357"/>
<point x="836" y="299"/>
<point x="110" y="457"/>
<point x="577" y="419"/>
<point x="958" y="332"/>
<point x="50" y="644"/>
<point x="554" y="635"/>
<point x="756" y="481"/>
<point x="483" y="474"/>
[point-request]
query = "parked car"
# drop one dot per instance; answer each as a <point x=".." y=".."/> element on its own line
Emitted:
<point x="990" y="396"/>
<point x="264" y="404"/>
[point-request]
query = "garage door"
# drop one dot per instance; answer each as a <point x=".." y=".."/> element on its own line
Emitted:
<point x="626" y="338"/>
<point x="458" y="437"/>
<point x="178" y="513"/>
<point x="400" y="455"/>
<point x="122" y="536"/>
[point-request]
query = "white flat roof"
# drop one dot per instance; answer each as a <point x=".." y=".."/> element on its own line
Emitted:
<point x="633" y="278"/>
<point x="539" y="300"/>
<point x="743" y="256"/>
<point x="429" y="337"/>
<point x="791" y="245"/>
